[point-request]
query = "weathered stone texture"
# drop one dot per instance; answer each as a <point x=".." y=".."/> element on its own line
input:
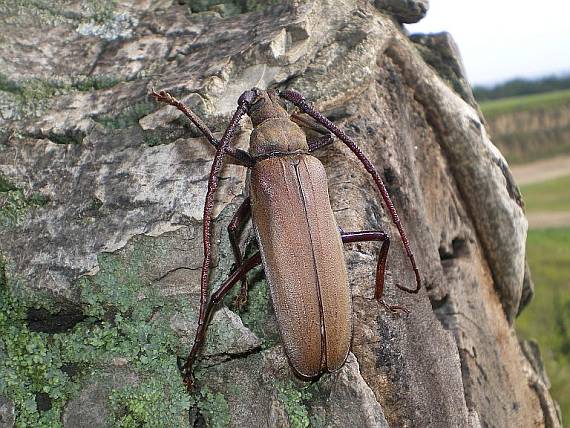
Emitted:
<point x="120" y="176"/>
<point x="405" y="11"/>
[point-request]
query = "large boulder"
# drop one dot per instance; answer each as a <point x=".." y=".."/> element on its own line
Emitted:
<point x="101" y="194"/>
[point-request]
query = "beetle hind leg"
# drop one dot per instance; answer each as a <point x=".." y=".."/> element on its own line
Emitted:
<point x="374" y="235"/>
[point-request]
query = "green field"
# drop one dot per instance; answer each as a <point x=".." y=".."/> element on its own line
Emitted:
<point x="547" y="318"/>
<point x="552" y="195"/>
<point x="494" y="108"/>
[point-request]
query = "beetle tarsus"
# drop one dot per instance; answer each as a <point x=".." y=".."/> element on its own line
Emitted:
<point x="241" y="299"/>
<point x="394" y="308"/>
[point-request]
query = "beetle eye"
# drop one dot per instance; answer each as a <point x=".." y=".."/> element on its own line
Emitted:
<point x="258" y="102"/>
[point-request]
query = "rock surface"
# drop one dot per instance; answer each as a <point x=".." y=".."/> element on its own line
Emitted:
<point x="405" y="11"/>
<point x="101" y="194"/>
<point x="7" y="416"/>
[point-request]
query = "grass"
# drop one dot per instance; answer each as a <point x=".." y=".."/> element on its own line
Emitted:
<point x="547" y="318"/>
<point x="527" y="102"/>
<point x="551" y="195"/>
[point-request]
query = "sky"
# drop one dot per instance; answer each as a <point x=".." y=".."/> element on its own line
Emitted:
<point x="504" y="39"/>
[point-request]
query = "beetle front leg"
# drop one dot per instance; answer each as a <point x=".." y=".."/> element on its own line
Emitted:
<point x="235" y="228"/>
<point x="319" y="142"/>
<point x="372" y="235"/>
<point x="205" y="316"/>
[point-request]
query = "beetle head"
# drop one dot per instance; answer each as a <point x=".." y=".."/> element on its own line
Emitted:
<point x="266" y="106"/>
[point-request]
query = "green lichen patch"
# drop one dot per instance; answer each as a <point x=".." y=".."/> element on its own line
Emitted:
<point x="127" y="117"/>
<point x="33" y="95"/>
<point x="30" y="365"/>
<point x="125" y="322"/>
<point x="229" y="8"/>
<point x="214" y="407"/>
<point x="152" y="139"/>
<point x="52" y="13"/>
<point x="94" y="83"/>
<point x="293" y="399"/>
<point x="5" y="185"/>
<point x="257" y="314"/>
<point x="16" y="203"/>
<point x="144" y="405"/>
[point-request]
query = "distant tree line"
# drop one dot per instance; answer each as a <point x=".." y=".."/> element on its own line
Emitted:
<point x="514" y="87"/>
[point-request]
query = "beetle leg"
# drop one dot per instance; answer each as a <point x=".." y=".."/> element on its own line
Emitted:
<point x="372" y="235"/>
<point x="300" y="101"/>
<point x="235" y="228"/>
<point x="242" y="157"/>
<point x="214" y="300"/>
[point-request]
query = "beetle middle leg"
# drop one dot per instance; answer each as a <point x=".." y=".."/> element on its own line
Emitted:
<point x="240" y="218"/>
<point x="376" y="235"/>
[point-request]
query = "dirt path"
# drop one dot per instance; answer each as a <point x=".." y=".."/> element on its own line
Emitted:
<point x="548" y="219"/>
<point x="543" y="170"/>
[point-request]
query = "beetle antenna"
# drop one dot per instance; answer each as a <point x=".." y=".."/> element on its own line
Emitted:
<point x="244" y="103"/>
<point x="240" y="156"/>
<point x="300" y="101"/>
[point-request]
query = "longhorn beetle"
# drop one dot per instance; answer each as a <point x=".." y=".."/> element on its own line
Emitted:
<point x="300" y="244"/>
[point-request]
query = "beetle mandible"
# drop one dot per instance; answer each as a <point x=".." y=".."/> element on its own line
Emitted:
<point x="300" y="244"/>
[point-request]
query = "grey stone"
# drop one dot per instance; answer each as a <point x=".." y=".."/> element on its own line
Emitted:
<point x="7" y="415"/>
<point x="227" y="335"/>
<point x="346" y="400"/>
<point x="532" y="353"/>
<point x="90" y="408"/>
<point x="474" y="419"/>
<point x="501" y="224"/>
<point x="441" y="52"/>
<point x="528" y="289"/>
<point x="538" y="380"/>
<point x="405" y="11"/>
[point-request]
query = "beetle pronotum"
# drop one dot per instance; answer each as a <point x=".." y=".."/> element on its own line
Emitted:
<point x="300" y="244"/>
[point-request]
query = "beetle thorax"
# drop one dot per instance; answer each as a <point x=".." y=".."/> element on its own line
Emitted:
<point x="273" y="133"/>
